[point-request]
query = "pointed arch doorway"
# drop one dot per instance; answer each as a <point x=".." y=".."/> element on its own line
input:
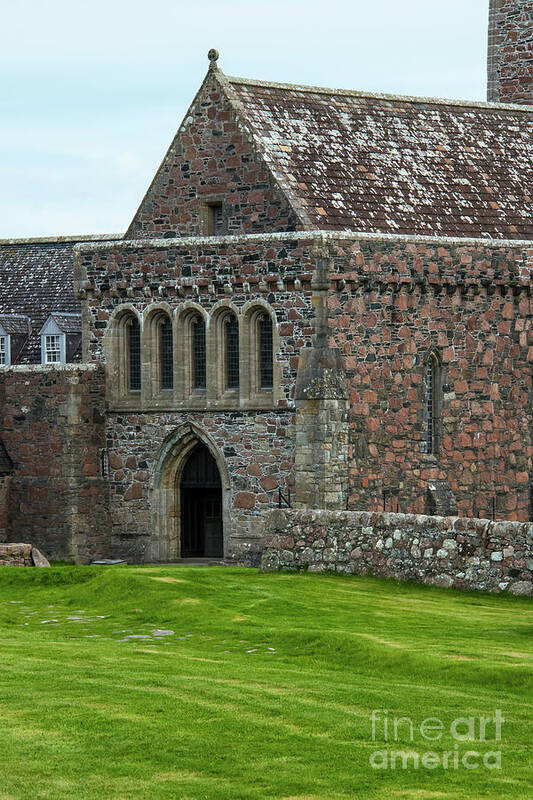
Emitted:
<point x="200" y="504"/>
<point x="190" y="498"/>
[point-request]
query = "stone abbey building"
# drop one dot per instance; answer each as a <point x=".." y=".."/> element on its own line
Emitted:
<point x="325" y="295"/>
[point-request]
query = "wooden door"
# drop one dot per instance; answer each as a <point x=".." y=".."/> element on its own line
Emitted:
<point x="201" y="506"/>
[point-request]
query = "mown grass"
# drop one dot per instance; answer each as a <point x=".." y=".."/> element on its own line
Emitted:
<point x="265" y="689"/>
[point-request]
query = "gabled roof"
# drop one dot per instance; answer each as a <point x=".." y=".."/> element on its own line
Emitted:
<point x="15" y="324"/>
<point x="67" y="323"/>
<point x="388" y="164"/>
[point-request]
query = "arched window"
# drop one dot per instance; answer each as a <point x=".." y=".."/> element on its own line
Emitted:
<point x="158" y="354"/>
<point x="226" y="377"/>
<point x="260" y="372"/>
<point x="259" y="341"/>
<point x="192" y="355"/>
<point x="133" y="343"/>
<point x="166" y="354"/>
<point x="198" y="353"/>
<point x="122" y="347"/>
<point x="264" y="348"/>
<point x="231" y="352"/>
<point x="433" y="403"/>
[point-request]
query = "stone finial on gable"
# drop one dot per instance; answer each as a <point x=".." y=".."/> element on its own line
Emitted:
<point x="213" y="56"/>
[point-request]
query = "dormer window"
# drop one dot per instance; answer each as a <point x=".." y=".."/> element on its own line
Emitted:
<point x="4" y="351"/>
<point x="60" y="338"/>
<point x="14" y="332"/>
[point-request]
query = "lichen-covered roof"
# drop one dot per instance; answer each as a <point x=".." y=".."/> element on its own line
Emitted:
<point x="6" y="465"/>
<point x="36" y="279"/>
<point x="387" y="164"/>
<point x="15" y="324"/>
<point x="68" y="323"/>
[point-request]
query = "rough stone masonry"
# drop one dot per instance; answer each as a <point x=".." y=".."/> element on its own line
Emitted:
<point x="510" y="66"/>
<point x="384" y="247"/>
<point x="440" y="551"/>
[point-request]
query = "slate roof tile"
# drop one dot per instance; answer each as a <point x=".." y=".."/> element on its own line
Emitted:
<point x="36" y="279"/>
<point x="68" y="323"/>
<point x="395" y="165"/>
<point x="15" y="324"/>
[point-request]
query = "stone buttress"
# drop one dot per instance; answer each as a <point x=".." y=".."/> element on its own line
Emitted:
<point x="321" y="400"/>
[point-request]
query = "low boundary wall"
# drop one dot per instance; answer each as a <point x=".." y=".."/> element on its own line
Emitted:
<point x="440" y="551"/>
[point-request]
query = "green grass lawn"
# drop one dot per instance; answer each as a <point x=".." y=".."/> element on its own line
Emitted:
<point x="264" y="689"/>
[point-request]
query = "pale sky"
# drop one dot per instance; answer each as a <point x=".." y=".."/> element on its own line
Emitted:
<point x="92" y="92"/>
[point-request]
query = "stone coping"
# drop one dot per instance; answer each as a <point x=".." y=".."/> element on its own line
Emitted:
<point x="191" y="409"/>
<point x="317" y="236"/>
<point x="84" y="367"/>
<point x="62" y="239"/>
<point x="388" y="519"/>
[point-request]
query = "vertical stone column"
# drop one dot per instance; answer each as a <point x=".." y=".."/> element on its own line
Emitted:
<point x="321" y="398"/>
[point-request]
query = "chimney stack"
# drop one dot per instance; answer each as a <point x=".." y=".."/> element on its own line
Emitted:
<point x="510" y="55"/>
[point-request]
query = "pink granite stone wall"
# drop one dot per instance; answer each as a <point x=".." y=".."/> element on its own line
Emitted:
<point x="212" y="159"/>
<point x="53" y="428"/>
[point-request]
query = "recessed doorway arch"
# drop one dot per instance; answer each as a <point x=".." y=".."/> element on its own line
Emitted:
<point x="190" y="466"/>
<point x="200" y="505"/>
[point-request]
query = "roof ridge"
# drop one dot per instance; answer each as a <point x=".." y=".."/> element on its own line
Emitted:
<point x="294" y="87"/>
<point x="97" y="237"/>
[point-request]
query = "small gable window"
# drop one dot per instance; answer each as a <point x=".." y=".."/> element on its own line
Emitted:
<point x="216" y="220"/>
